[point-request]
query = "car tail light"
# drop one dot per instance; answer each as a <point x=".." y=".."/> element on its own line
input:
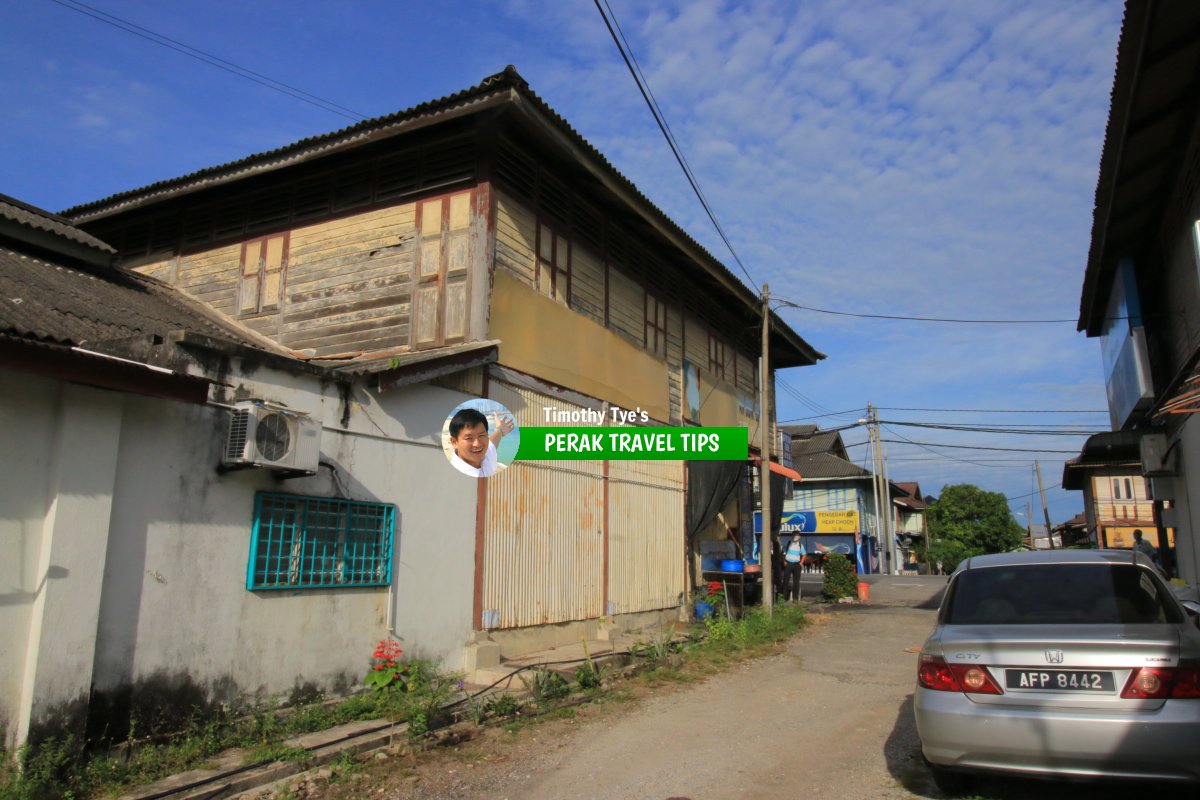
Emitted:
<point x="975" y="679"/>
<point x="1187" y="682"/>
<point x="1157" y="683"/>
<point x="934" y="673"/>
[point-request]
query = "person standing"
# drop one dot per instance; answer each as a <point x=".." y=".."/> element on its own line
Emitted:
<point x="1140" y="545"/>
<point x="793" y="557"/>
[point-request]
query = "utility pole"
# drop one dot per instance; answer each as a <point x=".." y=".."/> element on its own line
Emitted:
<point x="872" y="436"/>
<point x="883" y="497"/>
<point x="764" y="456"/>
<point x="1029" y="523"/>
<point x="1045" y="511"/>
<point x="890" y="524"/>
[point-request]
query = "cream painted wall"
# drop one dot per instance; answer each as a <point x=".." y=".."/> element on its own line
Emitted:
<point x="169" y="601"/>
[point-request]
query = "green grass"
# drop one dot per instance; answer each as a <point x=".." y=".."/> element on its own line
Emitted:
<point x="67" y="770"/>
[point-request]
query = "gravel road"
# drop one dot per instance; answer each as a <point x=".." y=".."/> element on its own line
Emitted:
<point x="830" y="718"/>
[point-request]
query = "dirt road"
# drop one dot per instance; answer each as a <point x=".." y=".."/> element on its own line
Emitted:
<point x="830" y="718"/>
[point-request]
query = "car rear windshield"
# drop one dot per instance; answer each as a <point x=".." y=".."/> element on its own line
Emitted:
<point x="1051" y="594"/>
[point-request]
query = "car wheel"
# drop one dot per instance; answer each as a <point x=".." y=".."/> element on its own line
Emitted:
<point x="949" y="782"/>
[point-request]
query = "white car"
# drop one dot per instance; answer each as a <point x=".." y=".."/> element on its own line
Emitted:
<point x="1077" y="663"/>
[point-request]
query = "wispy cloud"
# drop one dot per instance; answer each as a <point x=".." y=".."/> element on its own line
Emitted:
<point x="933" y="159"/>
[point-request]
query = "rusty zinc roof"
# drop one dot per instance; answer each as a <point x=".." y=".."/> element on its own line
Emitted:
<point x="34" y="218"/>
<point x="505" y="87"/>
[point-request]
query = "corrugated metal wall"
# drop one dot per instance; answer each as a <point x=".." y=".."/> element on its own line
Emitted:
<point x="645" y="535"/>
<point x="544" y="531"/>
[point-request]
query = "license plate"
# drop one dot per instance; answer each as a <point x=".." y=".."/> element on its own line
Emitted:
<point x="1059" y="680"/>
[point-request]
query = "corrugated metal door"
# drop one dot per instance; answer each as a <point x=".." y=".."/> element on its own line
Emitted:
<point x="544" y="531"/>
<point x="645" y="535"/>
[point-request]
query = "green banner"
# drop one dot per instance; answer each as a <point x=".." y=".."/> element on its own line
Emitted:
<point x="589" y="443"/>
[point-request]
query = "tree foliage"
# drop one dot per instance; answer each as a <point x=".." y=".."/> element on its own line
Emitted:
<point x="968" y="521"/>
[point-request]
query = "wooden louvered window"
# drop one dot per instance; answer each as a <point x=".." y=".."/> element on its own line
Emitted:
<point x="656" y="325"/>
<point x="554" y="264"/>
<point x="264" y="269"/>
<point x="440" y="303"/>
<point x="716" y="356"/>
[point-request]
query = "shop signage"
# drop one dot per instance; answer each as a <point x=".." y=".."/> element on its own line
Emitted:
<point x="813" y="522"/>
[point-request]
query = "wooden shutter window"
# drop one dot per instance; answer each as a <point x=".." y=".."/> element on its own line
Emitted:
<point x="440" y="301"/>
<point x="554" y="264"/>
<point x="264" y="265"/>
<point x="251" y="277"/>
<point x="272" y="272"/>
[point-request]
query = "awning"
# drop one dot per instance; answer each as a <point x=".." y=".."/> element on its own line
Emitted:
<point x="779" y="469"/>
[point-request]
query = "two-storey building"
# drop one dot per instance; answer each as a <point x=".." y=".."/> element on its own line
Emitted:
<point x="474" y="245"/>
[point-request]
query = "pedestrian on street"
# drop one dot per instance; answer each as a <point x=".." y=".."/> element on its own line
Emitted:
<point x="1140" y="545"/>
<point x="792" y="559"/>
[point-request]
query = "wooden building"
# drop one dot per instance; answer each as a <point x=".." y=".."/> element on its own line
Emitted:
<point x="478" y="241"/>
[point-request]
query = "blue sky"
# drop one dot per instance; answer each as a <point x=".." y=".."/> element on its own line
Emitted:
<point x="933" y="158"/>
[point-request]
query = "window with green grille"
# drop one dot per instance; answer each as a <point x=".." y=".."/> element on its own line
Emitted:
<point x="313" y="542"/>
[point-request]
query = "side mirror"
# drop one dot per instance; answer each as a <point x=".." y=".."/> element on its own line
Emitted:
<point x="1192" y="607"/>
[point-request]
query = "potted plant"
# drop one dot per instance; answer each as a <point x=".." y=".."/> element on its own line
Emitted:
<point x="709" y="599"/>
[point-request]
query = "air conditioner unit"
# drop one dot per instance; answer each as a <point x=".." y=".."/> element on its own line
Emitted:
<point x="263" y="434"/>
<point x="1158" y="457"/>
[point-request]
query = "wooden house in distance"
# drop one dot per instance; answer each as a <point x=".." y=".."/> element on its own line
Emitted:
<point x="479" y="242"/>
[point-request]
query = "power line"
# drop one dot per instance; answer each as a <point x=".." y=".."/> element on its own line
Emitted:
<point x="968" y="446"/>
<point x="848" y="412"/>
<point x="1031" y="494"/>
<point x="644" y="88"/>
<point x="209" y="58"/>
<point x="977" y="447"/>
<point x="945" y="455"/>
<point x="941" y="426"/>
<point x="789" y="304"/>
<point x="995" y="410"/>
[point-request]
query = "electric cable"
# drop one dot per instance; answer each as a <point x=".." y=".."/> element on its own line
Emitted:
<point x="208" y="58"/>
<point x="662" y="126"/>
<point x="994" y="410"/>
<point x="988" y="429"/>
<point x="784" y="303"/>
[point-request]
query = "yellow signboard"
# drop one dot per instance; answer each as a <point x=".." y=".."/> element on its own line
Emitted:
<point x="1123" y="537"/>
<point x="837" y="521"/>
<point x="819" y="522"/>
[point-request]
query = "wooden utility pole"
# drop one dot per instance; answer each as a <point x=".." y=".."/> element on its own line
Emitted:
<point x="889" y="526"/>
<point x="1029" y="523"/>
<point x="1045" y="511"/>
<point x="764" y="456"/>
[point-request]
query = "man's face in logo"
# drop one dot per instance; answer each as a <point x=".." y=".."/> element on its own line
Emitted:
<point x="471" y="444"/>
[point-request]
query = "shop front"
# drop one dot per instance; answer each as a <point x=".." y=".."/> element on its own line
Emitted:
<point x="824" y="534"/>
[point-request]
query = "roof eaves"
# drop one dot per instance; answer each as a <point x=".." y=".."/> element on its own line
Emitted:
<point x="504" y="87"/>
<point x="1134" y="31"/>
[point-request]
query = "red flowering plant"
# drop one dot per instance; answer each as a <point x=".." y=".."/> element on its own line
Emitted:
<point x="387" y="673"/>
<point x="711" y="593"/>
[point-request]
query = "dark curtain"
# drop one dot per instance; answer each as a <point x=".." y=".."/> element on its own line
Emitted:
<point x="710" y="486"/>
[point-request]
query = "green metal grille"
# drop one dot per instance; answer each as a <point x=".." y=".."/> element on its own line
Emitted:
<point x="314" y="542"/>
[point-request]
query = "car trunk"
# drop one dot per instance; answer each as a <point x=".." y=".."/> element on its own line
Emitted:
<point x="1069" y="666"/>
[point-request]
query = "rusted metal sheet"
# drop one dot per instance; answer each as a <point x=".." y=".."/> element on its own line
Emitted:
<point x="544" y="531"/>
<point x="646" y="535"/>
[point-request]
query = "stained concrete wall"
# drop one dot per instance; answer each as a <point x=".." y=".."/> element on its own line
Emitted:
<point x="123" y="565"/>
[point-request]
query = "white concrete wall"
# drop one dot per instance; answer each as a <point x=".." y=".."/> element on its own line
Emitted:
<point x="54" y="507"/>
<point x="26" y="438"/>
<point x="153" y="586"/>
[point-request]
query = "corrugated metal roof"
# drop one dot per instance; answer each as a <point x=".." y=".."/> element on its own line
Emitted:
<point x="827" y="465"/>
<point x="509" y="80"/>
<point x="53" y="303"/>
<point x="29" y="216"/>
<point x="1152" y="117"/>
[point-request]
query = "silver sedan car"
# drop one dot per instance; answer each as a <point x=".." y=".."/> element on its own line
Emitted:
<point x="1070" y="663"/>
